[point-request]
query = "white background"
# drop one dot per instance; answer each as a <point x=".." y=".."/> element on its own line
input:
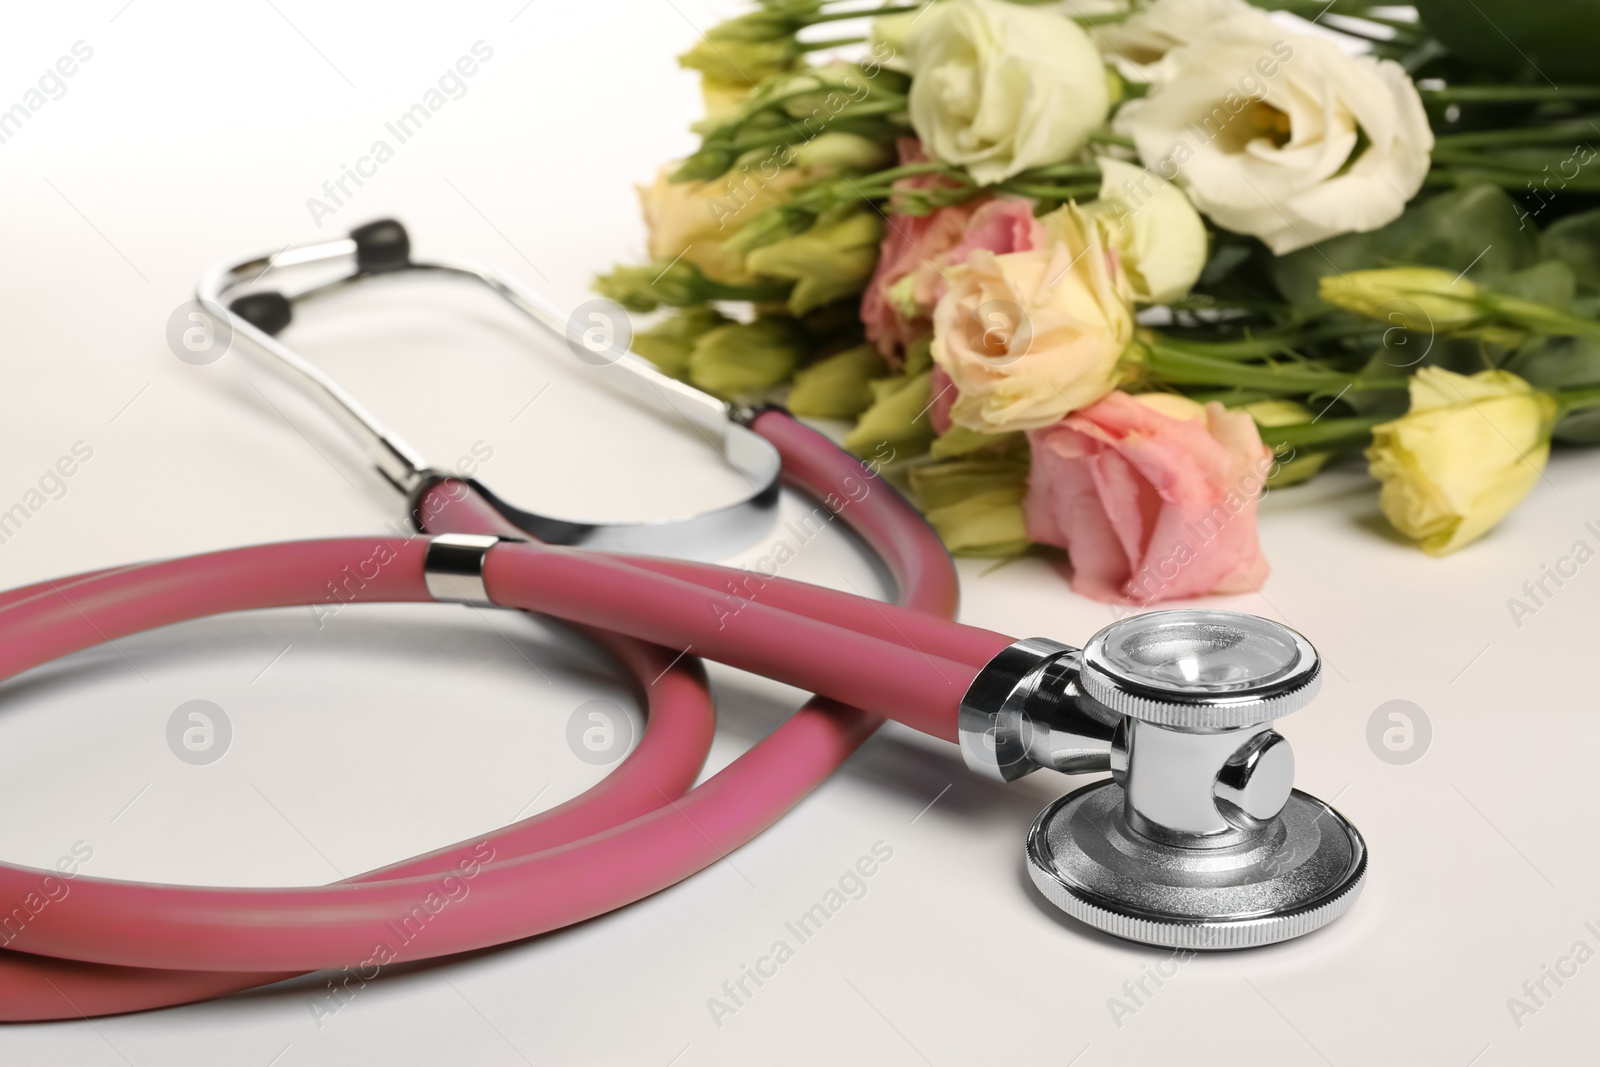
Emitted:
<point x="197" y="132"/>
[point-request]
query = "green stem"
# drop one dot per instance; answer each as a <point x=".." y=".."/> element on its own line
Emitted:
<point x="1541" y="318"/>
<point x="1061" y="170"/>
<point x="1555" y="133"/>
<point x="832" y="42"/>
<point x="1270" y="344"/>
<point x="1323" y="434"/>
<point x="1048" y="192"/>
<point x="1283" y="379"/>
<point x="755" y="294"/>
<point x="1517" y="180"/>
<point x="861" y="13"/>
<point x="1107" y="137"/>
<point x="1510" y="94"/>
<point x="1577" y="400"/>
<point x="1230" y="398"/>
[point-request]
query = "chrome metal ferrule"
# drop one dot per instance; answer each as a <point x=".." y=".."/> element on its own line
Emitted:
<point x="453" y="568"/>
<point x="1021" y="713"/>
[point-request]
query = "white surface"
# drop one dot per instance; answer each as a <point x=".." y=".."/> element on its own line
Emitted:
<point x="197" y="132"/>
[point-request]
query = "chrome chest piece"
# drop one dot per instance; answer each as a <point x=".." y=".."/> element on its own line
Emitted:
<point x="1198" y="840"/>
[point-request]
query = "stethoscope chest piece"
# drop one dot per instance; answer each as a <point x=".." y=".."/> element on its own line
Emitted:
<point x="1199" y="839"/>
<point x="1303" y="871"/>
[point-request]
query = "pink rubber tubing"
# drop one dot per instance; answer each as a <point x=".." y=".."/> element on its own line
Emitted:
<point x="112" y="946"/>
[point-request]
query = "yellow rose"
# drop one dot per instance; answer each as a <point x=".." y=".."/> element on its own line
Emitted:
<point x="1030" y="336"/>
<point x="695" y="219"/>
<point x="1465" y="454"/>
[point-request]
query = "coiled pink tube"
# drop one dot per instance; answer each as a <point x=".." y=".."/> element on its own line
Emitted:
<point x="118" y="946"/>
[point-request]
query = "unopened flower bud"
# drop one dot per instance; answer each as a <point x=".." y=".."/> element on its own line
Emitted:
<point x="745" y="359"/>
<point x="975" y="505"/>
<point x="838" y="387"/>
<point x="1290" y="466"/>
<point x="833" y="259"/>
<point x="897" y="419"/>
<point x="1420" y="299"/>
<point x="669" y="343"/>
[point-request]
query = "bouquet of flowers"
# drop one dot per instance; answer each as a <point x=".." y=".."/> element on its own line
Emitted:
<point x="1094" y="274"/>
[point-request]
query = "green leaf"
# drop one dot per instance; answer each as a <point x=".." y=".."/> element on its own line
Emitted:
<point x="1477" y="226"/>
<point x="1575" y="241"/>
<point x="1552" y="283"/>
<point x="1554" y="364"/>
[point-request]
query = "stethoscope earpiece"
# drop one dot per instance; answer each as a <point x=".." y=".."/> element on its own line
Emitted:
<point x="1199" y="839"/>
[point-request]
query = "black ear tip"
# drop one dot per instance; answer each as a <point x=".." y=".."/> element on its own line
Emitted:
<point x="382" y="245"/>
<point x="268" y="312"/>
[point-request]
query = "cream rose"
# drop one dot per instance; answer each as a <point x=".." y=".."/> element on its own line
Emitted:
<point x="1154" y="229"/>
<point x="1147" y="35"/>
<point x="999" y="88"/>
<point x="1282" y="136"/>
<point x="1030" y="336"/>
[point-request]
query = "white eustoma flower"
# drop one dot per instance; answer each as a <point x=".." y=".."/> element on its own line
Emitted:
<point x="1153" y="228"/>
<point x="999" y="87"/>
<point x="1153" y="30"/>
<point x="1280" y="135"/>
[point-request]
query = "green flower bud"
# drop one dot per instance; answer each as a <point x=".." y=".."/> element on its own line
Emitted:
<point x="1422" y="299"/>
<point x="645" y="288"/>
<point x="832" y="259"/>
<point x="898" y="419"/>
<point x="939" y="485"/>
<point x="838" y="387"/>
<point x="1292" y="467"/>
<point x="679" y="284"/>
<point x="960" y="441"/>
<point x="727" y="58"/>
<point x="987" y="526"/>
<point x="745" y="359"/>
<point x="669" y="342"/>
<point x="975" y="505"/>
<point x="842" y="153"/>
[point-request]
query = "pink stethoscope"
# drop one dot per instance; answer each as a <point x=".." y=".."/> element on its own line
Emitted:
<point x="1197" y="839"/>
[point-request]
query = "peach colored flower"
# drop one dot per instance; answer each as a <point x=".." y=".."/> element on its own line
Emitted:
<point x="1153" y="497"/>
<point x="1029" y="336"/>
<point x="918" y="249"/>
